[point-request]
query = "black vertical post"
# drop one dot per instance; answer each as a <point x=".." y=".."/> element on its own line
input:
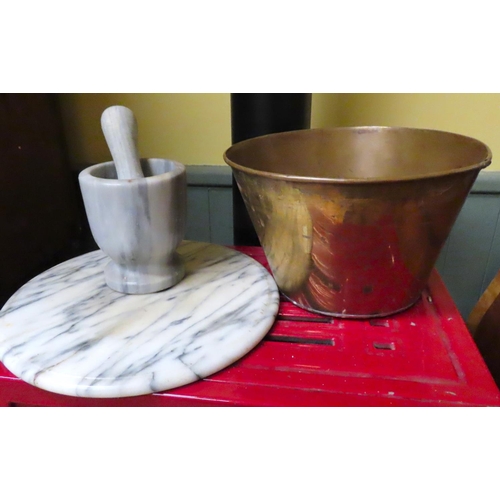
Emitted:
<point x="259" y="114"/>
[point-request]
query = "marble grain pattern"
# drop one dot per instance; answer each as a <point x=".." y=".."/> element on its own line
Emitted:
<point x="66" y="331"/>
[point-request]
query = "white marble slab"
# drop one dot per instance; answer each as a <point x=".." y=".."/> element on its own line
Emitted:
<point x="65" y="331"/>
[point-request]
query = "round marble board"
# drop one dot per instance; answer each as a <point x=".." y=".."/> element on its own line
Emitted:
<point x="65" y="331"/>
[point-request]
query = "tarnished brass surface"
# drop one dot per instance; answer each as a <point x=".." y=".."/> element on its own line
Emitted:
<point x="352" y="220"/>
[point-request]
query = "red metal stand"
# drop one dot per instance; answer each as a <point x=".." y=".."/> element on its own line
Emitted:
<point x="424" y="356"/>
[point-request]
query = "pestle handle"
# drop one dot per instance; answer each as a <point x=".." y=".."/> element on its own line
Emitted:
<point x="120" y="130"/>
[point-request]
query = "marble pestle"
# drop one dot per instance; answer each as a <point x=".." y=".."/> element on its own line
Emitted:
<point x="119" y="126"/>
<point x="136" y="210"/>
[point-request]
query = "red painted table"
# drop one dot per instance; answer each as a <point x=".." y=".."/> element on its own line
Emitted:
<point x="424" y="356"/>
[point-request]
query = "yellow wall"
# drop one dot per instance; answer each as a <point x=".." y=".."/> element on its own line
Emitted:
<point x="475" y="115"/>
<point x="196" y="128"/>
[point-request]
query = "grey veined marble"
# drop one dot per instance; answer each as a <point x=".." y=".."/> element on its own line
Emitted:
<point x="138" y="223"/>
<point x="67" y="332"/>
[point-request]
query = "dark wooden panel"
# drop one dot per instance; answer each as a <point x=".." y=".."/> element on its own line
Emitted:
<point x="39" y="217"/>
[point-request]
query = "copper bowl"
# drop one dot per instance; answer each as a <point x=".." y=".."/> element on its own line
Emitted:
<point x="352" y="219"/>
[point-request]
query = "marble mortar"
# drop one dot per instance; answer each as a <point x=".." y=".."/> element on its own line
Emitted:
<point x="138" y="223"/>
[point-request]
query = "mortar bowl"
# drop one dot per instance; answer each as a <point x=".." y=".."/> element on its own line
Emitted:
<point x="352" y="219"/>
<point x="138" y="223"/>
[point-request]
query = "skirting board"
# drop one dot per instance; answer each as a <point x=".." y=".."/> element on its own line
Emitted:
<point x="468" y="262"/>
